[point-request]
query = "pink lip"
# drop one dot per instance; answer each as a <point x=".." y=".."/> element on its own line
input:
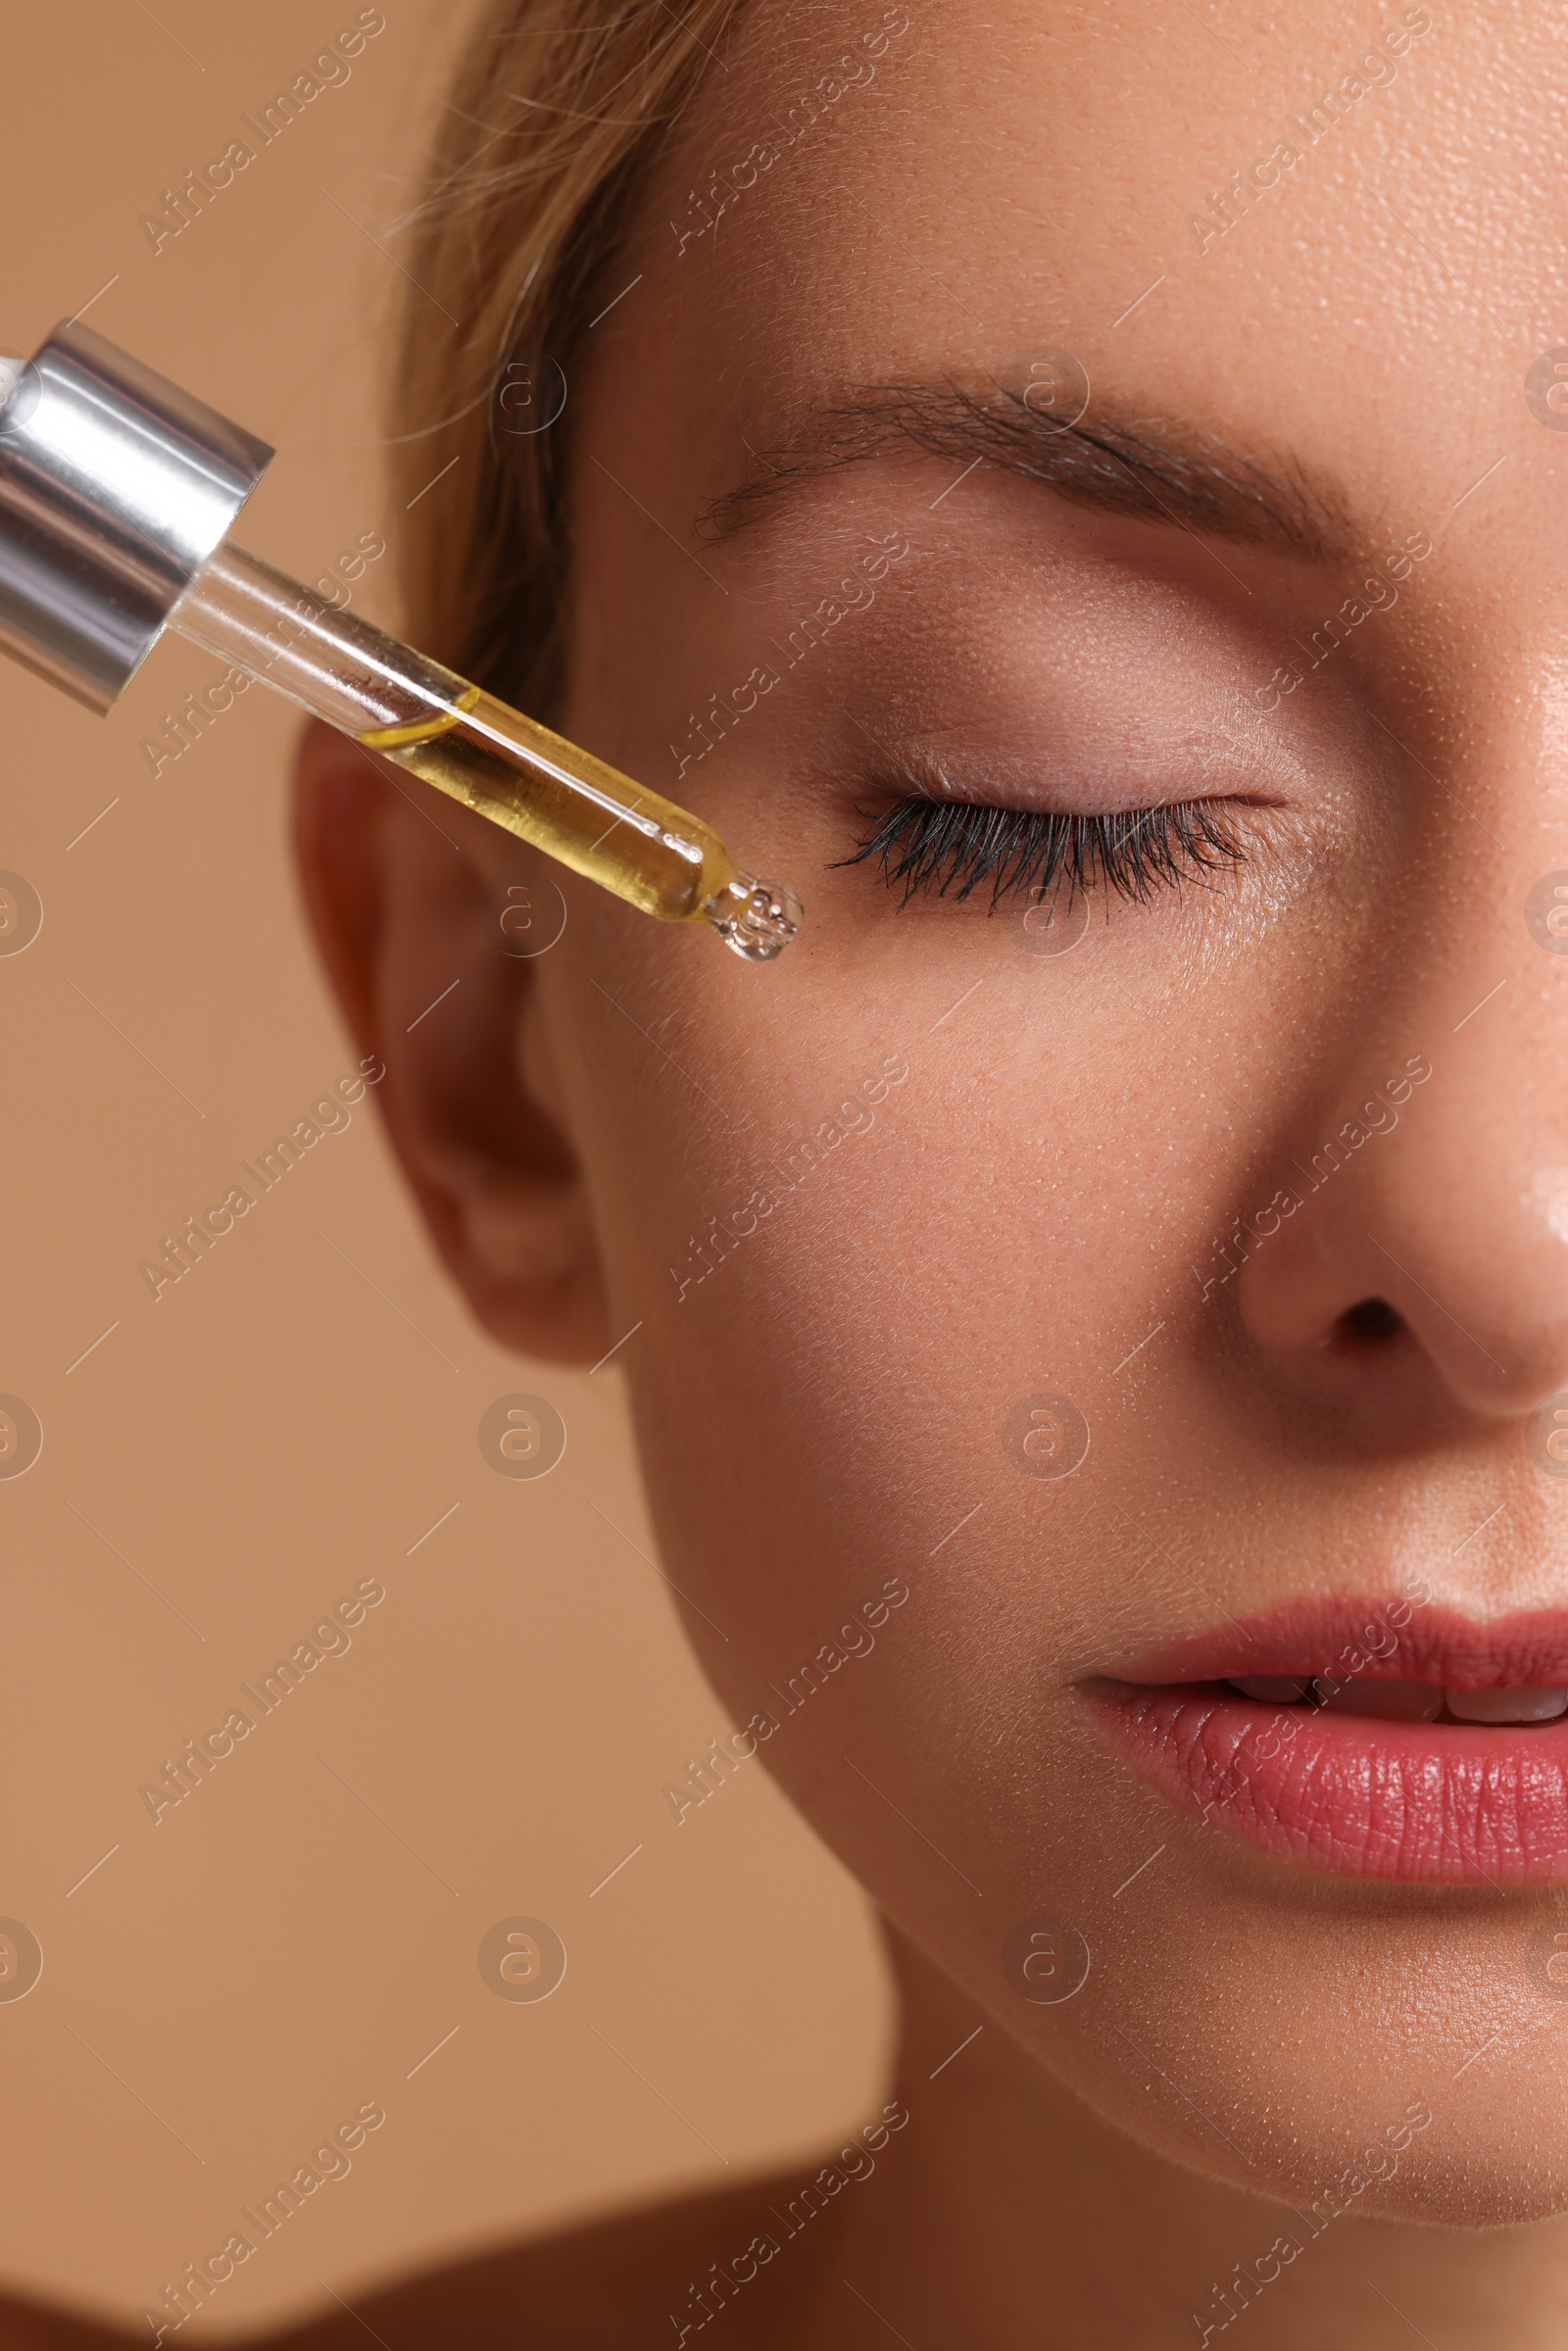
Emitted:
<point x="1433" y="1803"/>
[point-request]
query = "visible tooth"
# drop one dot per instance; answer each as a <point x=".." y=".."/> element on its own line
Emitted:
<point x="1506" y="1705"/>
<point x="1402" y="1701"/>
<point x="1275" y="1689"/>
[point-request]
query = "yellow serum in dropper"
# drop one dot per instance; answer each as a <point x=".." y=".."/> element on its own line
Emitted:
<point x="564" y="801"/>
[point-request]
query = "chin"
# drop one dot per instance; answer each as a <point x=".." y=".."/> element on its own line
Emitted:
<point x="1464" y="2170"/>
<point x="1471" y="2193"/>
<point x="1392" y="2055"/>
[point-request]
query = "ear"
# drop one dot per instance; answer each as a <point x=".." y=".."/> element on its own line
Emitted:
<point x="405" y="891"/>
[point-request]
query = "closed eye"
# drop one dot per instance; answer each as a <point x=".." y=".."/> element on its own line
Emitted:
<point x="952" y="848"/>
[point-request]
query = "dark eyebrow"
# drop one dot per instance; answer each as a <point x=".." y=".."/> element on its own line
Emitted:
<point x="1115" y="464"/>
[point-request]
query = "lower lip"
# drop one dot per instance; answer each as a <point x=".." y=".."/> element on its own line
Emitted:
<point x="1423" y="1803"/>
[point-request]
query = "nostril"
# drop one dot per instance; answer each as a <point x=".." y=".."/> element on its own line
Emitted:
<point x="1372" y="1321"/>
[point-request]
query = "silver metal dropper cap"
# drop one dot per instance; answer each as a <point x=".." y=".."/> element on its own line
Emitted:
<point x="114" y="488"/>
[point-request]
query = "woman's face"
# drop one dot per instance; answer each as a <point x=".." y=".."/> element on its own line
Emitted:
<point x="1036" y="1320"/>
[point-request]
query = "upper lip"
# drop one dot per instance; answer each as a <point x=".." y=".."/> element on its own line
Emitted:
<point x="1358" y="1636"/>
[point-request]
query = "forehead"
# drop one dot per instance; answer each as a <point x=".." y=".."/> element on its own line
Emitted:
<point x="1328" y="229"/>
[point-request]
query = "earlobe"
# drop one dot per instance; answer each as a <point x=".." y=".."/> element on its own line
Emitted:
<point x="405" y="900"/>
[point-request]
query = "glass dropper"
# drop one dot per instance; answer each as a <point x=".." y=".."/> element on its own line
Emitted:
<point x="480" y="752"/>
<point x="116" y="494"/>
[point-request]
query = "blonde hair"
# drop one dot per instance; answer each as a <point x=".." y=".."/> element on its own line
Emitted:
<point x="550" y="125"/>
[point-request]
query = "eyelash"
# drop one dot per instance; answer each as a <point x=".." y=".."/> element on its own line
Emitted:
<point x="955" y="847"/>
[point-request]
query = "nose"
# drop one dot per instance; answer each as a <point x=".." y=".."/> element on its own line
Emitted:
<point x="1436" y="1182"/>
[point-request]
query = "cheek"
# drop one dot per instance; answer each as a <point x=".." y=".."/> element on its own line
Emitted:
<point x="841" y="1363"/>
<point x="854" y="1335"/>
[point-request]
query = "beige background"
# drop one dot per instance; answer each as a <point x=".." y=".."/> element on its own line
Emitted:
<point x="231" y="1982"/>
